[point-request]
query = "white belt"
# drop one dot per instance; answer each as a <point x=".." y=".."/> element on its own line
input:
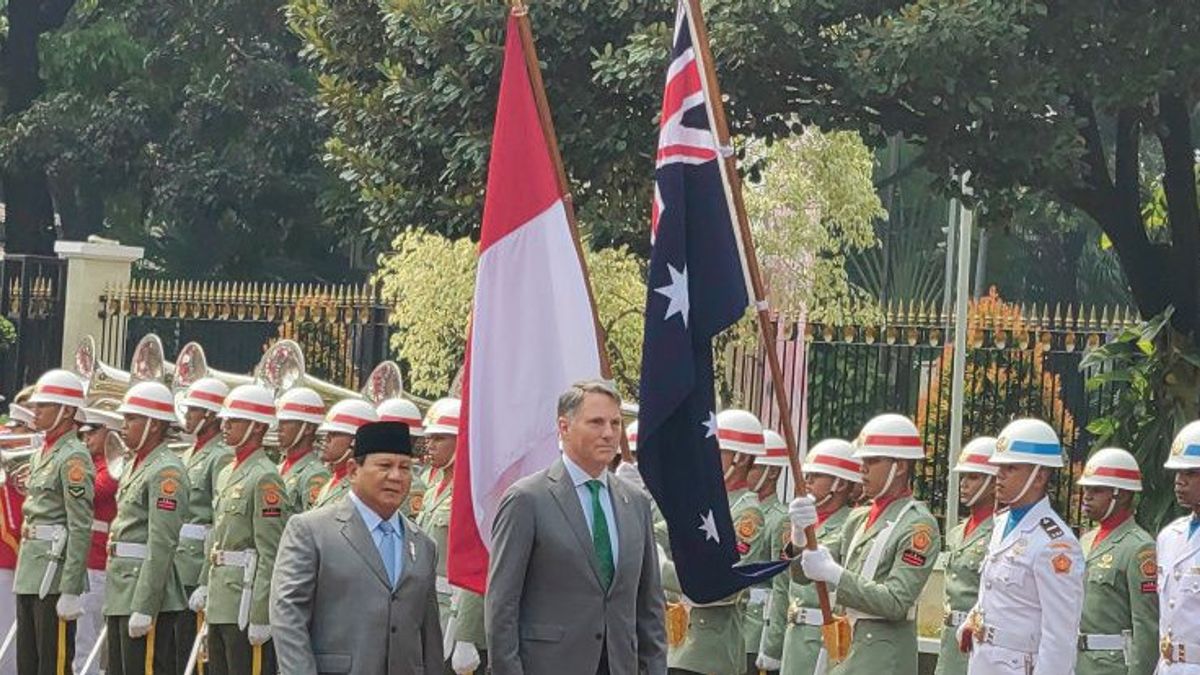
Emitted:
<point x="196" y="531"/>
<point x="123" y="549"/>
<point x="232" y="558"/>
<point x="43" y="532"/>
<point x="955" y="618"/>
<point x="759" y="596"/>
<point x="1093" y="642"/>
<point x="1017" y="641"/>
<point x="806" y="616"/>
<point x="99" y="526"/>
<point x="861" y="616"/>
<point x="442" y="585"/>
<point x="1179" y="652"/>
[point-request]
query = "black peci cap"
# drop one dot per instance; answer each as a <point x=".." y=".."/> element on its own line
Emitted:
<point x="389" y="437"/>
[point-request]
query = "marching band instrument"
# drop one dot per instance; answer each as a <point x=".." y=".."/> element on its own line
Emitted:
<point x="106" y="381"/>
<point x="15" y="452"/>
<point x="283" y="368"/>
<point x="192" y="364"/>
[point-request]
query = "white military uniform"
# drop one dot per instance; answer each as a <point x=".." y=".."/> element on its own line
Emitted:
<point x="1179" y="599"/>
<point x="1030" y="599"/>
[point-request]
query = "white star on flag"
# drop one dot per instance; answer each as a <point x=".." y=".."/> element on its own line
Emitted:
<point x="708" y="525"/>
<point x="677" y="293"/>
<point x="710" y="424"/>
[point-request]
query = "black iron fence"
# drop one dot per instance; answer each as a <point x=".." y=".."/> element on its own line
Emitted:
<point x="1020" y="362"/>
<point x="342" y="328"/>
<point x="32" y="294"/>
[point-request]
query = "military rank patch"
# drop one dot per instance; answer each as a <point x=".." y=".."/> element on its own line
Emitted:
<point x="168" y="486"/>
<point x="743" y="548"/>
<point x="166" y="504"/>
<point x="416" y="502"/>
<point x="914" y="558"/>
<point x="922" y="538"/>
<point x="271" y="500"/>
<point x="1148" y="566"/>
<point x="313" y="492"/>
<point x="76" y="473"/>
<point x="748" y="525"/>
<point x="1052" y="529"/>
<point x="76" y="491"/>
<point x="1061" y="563"/>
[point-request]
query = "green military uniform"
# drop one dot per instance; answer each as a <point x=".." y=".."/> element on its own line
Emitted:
<point x="251" y="510"/>
<point x="417" y="491"/>
<point x="469" y="620"/>
<point x="1120" y="599"/>
<point x="882" y="605"/>
<point x="141" y="576"/>
<point x="55" y="537"/>
<point x="333" y="491"/>
<point x="964" y="558"/>
<point x="714" y="643"/>
<point x="758" y="600"/>
<point x="797" y="609"/>
<point x="303" y="481"/>
<point x="203" y="464"/>
<point x="434" y="520"/>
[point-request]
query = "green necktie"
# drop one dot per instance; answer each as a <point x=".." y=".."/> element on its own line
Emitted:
<point x="600" y="540"/>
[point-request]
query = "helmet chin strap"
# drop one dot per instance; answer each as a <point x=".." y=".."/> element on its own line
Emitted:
<point x="987" y="480"/>
<point x="1112" y="504"/>
<point x="299" y="435"/>
<point x="762" y="480"/>
<point x="245" y="436"/>
<point x="837" y="485"/>
<point x="729" y="471"/>
<point x="142" y="441"/>
<point x="59" y="417"/>
<point x="1028" y="483"/>
<point x="887" y="485"/>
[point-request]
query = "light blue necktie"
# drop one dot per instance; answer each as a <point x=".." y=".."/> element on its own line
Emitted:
<point x="387" y="550"/>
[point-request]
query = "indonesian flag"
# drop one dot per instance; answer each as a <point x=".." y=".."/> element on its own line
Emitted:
<point x="532" y="332"/>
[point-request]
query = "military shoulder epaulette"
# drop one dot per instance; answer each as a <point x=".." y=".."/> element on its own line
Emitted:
<point x="1052" y="529"/>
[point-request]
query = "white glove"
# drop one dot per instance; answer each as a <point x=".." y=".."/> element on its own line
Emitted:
<point x="629" y="472"/>
<point x="818" y="565"/>
<point x="199" y="599"/>
<point x="803" y="513"/>
<point x="139" y="625"/>
<point x="69" y="607"/>
<point x="465" y="658"/>
<point x="764" y="662"/>
<point x="258" y="633"/>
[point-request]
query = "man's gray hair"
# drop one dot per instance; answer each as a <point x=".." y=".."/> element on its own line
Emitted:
<point x="572" y="398"/>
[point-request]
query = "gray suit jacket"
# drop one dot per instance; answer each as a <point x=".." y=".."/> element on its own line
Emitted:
<point x="332" y="610"/>
<point x="546" y="610"/>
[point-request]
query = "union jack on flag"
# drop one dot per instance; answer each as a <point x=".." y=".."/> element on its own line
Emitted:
<point x="697" y="287"/>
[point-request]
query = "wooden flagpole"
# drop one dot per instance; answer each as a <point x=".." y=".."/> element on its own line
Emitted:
<point x="704" y="52"/>
<point x="521" y="11"/>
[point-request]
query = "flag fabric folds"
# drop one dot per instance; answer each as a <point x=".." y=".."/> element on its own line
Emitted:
<point x="532" y="333"/>
<point x="697" y="287"/>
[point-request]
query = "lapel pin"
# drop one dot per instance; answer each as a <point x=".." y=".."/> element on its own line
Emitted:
<point x="412" y="551"/>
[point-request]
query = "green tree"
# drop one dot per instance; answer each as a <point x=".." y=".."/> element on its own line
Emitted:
<point x="430" y="280"/>
<point x="188" y="128"/>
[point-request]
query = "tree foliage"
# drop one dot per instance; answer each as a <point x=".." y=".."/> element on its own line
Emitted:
<point x="188" y="128"/>
<point x="816" y="203"/>
<point x="429" y="280"/>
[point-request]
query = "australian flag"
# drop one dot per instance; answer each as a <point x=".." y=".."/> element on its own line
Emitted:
<point x="697" y="287"/>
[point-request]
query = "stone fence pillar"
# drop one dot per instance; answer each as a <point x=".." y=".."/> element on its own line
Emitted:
<point x="92" y="266"/>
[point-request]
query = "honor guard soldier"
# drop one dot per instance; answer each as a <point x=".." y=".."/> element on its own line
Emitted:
<point x="341" y="423"/>
<point x="99" y="430"/>
<point x="1178" y="550"/>
<point x="143" y="588"/>
<point x="714" y="643"/>
<point x="764" y="481"/>
<point x="830" y="472"/>
<point x="966" y="546"/>
<point x="300" y="411"/>
<point x="1027" y="617"/>
<point x="1118" y="632"/>
<point x="886" y="552"/>
<point x="405" y="412"/>
<point x="203" y="463"/>
<point x="57" y="531"/>
<point x="251" y="509"/>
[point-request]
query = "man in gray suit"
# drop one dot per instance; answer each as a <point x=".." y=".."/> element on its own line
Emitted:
<point x="354" y="584"/>
<point x="573" y="585"/>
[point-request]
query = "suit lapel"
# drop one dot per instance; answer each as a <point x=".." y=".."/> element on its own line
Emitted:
<point x="563" y="490"/>
<point x="408" y="555"/>
<point x="626" y="515"/>
<point x="355" y="532"/>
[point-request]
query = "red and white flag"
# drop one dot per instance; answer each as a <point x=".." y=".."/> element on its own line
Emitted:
<point x="532" y="332"/>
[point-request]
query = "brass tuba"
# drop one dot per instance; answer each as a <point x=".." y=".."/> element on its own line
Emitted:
<point x="15" y="452"/>
<point x="283" y="367"/>
<point x="105" y="381"/>
<point x="192" y="364"/>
